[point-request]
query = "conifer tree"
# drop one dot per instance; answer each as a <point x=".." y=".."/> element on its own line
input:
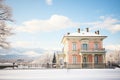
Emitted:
<point x="54" y="59"/>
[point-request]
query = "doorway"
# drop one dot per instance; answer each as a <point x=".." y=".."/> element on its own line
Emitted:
<point x="84" y="61"/>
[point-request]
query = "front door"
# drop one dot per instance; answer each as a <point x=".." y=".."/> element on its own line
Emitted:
<point x="84" y="61"/>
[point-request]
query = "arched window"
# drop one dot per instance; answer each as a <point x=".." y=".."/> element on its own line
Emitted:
<point x="74" y="59"/>
<point x="84" y="59"/>
<point x="96" y="59"/>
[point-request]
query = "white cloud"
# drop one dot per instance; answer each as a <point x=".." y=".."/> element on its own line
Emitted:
<point x="36" y="44"/>
<point x="108" y="23"/>
<point x="31" y="54"/>
<point x="49" y="2"/>
<point x="26" y="44"/>
<point x="102" y="17"/>
<point x="115" y="28"/>
<point x="22" y="44"/>
<point x="55" y="22"/>
<point x="113" y="47"/>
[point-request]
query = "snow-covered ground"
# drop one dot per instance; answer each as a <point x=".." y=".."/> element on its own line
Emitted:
<point x="61" y="74"/>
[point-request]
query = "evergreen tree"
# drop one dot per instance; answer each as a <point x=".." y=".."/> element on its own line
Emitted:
<point x="54" y="59"/>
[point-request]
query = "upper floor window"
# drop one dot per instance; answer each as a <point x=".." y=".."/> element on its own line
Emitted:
<point x="74" y="59"/>
<point x="96" y="46"/>
<point x="73" y="46"/>
<point x="84" y="46"/>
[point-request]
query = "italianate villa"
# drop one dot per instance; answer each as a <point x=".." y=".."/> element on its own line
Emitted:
<point x="84" y="49"/>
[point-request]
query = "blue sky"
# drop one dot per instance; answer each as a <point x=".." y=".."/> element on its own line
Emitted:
<point x="42" y="23"/>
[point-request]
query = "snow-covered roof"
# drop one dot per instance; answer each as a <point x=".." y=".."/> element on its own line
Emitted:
<point x="83" y="33"/>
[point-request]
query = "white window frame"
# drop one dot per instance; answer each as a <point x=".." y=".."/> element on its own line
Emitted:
<point x="96" y="46"/>
<point x="83" y="47"/>
<point x="74" y="46"/>
<point x="96" y="59"/>
<point x="74" y="59"/>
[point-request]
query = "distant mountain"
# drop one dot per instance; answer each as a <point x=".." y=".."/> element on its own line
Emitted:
<point x="20" y="50"/>
<point x="24" y="54"/>
<point x="19" y="53"/>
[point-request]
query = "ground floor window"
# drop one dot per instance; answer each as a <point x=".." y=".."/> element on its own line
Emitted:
<point x="84" y="59"/>
<point x="74" y="59"/>
<point x="61" y="61"/>
<point x="96" y="59"/>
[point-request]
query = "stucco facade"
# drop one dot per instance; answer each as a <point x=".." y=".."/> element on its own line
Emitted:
<point x="84" y="49"/>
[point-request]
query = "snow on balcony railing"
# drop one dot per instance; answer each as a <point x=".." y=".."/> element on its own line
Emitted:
<point x="93" y="50"/>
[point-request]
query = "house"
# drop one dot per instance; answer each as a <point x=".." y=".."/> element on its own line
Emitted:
<point x="84" y="49"/>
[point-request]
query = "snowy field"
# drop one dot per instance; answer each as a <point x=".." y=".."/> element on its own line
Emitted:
<point x="61" y="74"/>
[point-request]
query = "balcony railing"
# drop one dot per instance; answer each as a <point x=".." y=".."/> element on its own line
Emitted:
<point x="93" y="50"/>
<point x="88" y="50"/>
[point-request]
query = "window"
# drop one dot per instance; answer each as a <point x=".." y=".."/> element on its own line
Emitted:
<point x="96" y="59"/>
<point x="74" y="59"/>
<point x="73" y="46"/>
<point x="96" y="46"/>
<point x="84" y="59"/>
<point x="84" y="46"/>
<point x="61" y="61"/>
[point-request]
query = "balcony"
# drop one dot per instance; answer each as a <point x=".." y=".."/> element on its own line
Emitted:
<point x="92" y="50"/>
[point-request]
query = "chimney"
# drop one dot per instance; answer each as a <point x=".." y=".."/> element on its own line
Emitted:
<point x="95" y="32"/>
<point x="78" y="30"/>
<point x="68" y="33"/>
<point x="87" y="29"/>
<point x="98" y="32"/>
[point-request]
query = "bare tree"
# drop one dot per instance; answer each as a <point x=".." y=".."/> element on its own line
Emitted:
<point x="117" y="56"/>
<point x="5" y="31"/>
<point x="114" y="56"/>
